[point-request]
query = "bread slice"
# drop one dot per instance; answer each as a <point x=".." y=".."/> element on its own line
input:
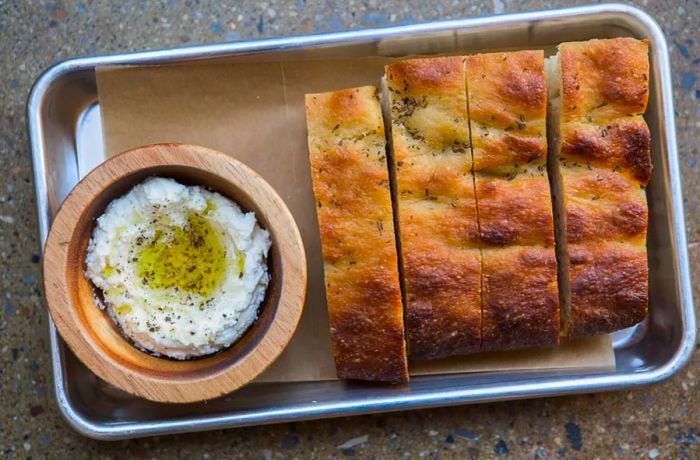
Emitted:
<point x="347" y="151"/>
<point x="436" y="206"/>
<point x="599" y="166"/>
<point x="507" y="118"/>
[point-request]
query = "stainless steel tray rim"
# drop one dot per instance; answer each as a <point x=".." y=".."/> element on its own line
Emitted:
<point x="219" y="50"/>
<point x="535" y="387"/>
<point x="552" y="387"/>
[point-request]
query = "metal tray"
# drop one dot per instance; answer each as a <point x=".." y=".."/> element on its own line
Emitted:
<point x="66" y="140"/>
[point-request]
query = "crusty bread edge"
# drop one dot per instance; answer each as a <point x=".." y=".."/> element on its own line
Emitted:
<point x="341" y="372"/>
<point x="385" y="102"/>
<point x="554" y="83"/>
<point x="476" y="202"/>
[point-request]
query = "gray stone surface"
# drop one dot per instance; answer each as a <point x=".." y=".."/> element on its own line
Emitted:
<point x="662" y="421"/>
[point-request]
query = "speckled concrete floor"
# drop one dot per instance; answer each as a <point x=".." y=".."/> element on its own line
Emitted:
<point x="661" y="421"/>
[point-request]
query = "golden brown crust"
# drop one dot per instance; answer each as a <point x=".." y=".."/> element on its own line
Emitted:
<point x="367" y="344"/>
<point x="604" y="79"/>
<point x="501" y="154"/>
<point x="521" y="301"/>
<point x="623" y="145"/>
<point x="436" y="194"/>
<point x="603" y="205"/>
<point x="351" y="186"/>
<point x="507" y="109"/>
<point x="609" y="287"/>
<point x="436" y="206"/>
<point x="440" y="282"/>
<point x="431" y="76"/>
<point x="428" y="107"/>
<point x="605" y="162"/>
<point x="515" y="210"/>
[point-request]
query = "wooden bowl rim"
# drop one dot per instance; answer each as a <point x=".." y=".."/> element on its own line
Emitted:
<point x="161" y="388"/>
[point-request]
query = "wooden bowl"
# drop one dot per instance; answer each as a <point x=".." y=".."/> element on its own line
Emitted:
<point x="92" y="335"/>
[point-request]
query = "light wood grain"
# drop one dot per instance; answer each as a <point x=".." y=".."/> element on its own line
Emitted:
<point x="91" y="334"/>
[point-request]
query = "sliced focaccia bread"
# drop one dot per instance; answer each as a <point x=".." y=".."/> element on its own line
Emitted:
<point x="599" y="165"/>
<point x="436" y="206"/>
<point x="507" y="110"/>
<point x="347" y="151"/>
<point x="507" y="117"/>
<point x="609" y="286"/>
<point x="521" y="298"/>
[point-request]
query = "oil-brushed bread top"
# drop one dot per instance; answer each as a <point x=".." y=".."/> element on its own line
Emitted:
<point x="507" y="110"/>
<point x="347" y="151"/>
<point x="507" y="117"/>
<point x="521" y="301"/>
<point x="436" y="206"/>
<point x="604" y="165"/>
<point x="507" y="96"/>
<point x="602" y="80"/>
<point x="604" y="92"/>
<point x="609" y="286"/>
<point x="622" y="144"/>
<point x="603" y="205"/>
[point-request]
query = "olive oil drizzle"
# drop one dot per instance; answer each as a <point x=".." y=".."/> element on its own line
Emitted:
<point x="190" y="259"/>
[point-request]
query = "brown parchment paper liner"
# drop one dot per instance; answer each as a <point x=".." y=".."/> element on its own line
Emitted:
<point x="255" y="112"/>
